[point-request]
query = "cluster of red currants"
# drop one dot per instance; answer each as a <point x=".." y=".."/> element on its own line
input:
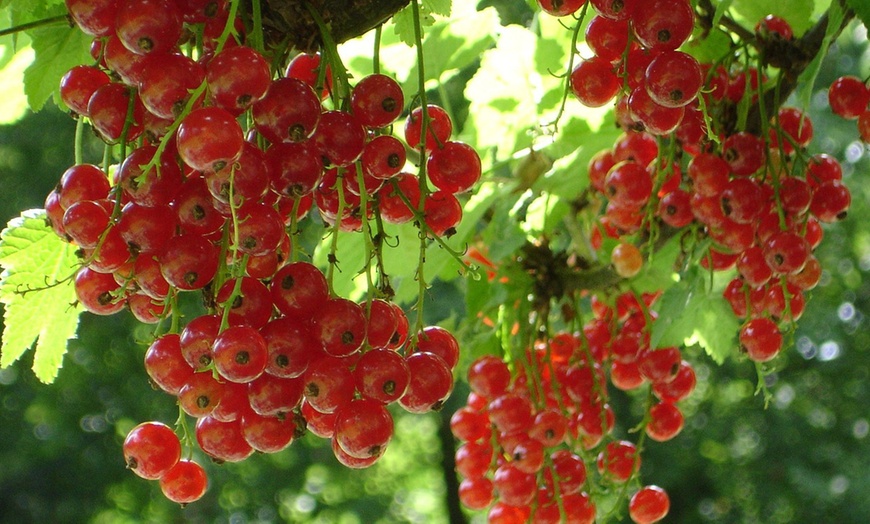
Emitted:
<point x="203" y="203"/>
<point x="762" y="212"/>
<point x="760" y="199"/>
<point x="526" y="434"/>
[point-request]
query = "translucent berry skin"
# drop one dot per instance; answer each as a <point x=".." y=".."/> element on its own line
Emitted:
<point x="382" y="375"/>
<point x="594" y="82"/>
<point x="363" y="428"/>
<point x="240" y="354"/>
<point x="78" y="84"/>
<point x="377" y="100"/>
<point x="454" y="167"/>
<point x="666" y="421"/>
<point x="149" y="26"/>
<point x="431" y="383"/>
<point x="95" y="18"/>
<point x="439" y="127"/>
<point x="151" y="449"/>
<point x="186" y="482"/>
<point x="476" y="493"/>
<point x="166" y="365"/>
<point x="760" y="339"/>
<point x="513" y="486"/>
<point x="560" y="7"/>
<point x="650" y="504"/>
<point x="188" y="261"/>
<point x="489" y="376"/>
<point x="289" y="112"/>
<point x="341" y="327"/>
<point x="744" y="153"/>
<point x="209" y="139"/>
<point x="618" y="460"/>
<point x="673" y="79"/>
<point x="848" y="97"/>
<point x="663" y="24"/>
<point x="223" y="441"/>
<point x="237" y="77"/>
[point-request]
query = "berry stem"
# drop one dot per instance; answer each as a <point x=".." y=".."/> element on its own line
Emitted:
<point x="257" y="41"/>
<point x="376" y="53"/>
<point x="574" y="37"/>
<point x="341" y="84"/>
<point x="336" y="228"/>
<point x="52" y="20"/>
<point x="77" y="148"/>
<point x="424" y="187"/>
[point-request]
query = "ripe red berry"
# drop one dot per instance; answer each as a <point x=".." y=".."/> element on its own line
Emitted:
<point x="439" y="127"/>
<point x="673" y="79"/>
<point x="594" y="82"/>
<point x="151" y="449"/>
<point x="209" y="139"/>
<point x="430" y="385"/>
<point x="237" y="78"/>
<point x="240" y="354"/>
<point x="363" y="428"/>
<point x="665" y="421"/>
<point x="650" y="504"/>
<point x="760" y="339"/>
<point x="377" y="100"/>
<point x="186" y="482"/>
<point x="663" y="24"/>
<point x="848" y="96"/>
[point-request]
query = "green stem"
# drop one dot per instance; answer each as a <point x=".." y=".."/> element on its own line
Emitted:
<point x="341" y="85"/>
<point x="336" y="228"/>
<point x="53" y="20"/>
<point x="80" y="126"/>
<point x="376" y="54"/>
<point x="574" y="37"/>
<point x="257" y="41"/>
<point x="424" y="188"/>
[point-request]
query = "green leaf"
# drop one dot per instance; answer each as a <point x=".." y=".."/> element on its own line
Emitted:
<point x="691" y="312"/>
<point x="438" y="7"/>
<point x="403" y="23"/>
<point x="57" y="49"/>
<point x="808" y="78"/>
<point x="798" y="13"/>
<point x="37" y="292"/>
<point x="861" y="9"/>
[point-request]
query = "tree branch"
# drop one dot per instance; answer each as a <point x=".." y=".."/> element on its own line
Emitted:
<point x="289" y="23"/>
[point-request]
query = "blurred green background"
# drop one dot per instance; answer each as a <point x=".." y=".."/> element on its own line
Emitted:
<point x="803" y="459"/>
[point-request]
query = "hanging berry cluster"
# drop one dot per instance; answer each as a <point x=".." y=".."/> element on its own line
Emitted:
<point x="541" y="440"/>
<point x="539" y="443"/>
<point x="224" y="161"/>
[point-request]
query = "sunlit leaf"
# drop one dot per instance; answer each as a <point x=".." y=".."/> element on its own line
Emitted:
<point x="691" y="312"/>
<point x="57" y="49"/>
<point x="37" y="292"/>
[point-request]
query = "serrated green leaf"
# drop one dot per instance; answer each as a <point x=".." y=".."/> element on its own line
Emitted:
<point x="438" y="7"/>
<point x="717" y="327"/>
<point x="37" y="292"/>
<point x="403" y="24"/>
<point x="657" y="273"/>
<point x="57" y="49"/>
<point x="861" y="9"/>
<point x="692" y="312"/>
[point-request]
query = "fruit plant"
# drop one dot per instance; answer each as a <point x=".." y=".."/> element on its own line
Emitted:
<point x="616" y="189"/>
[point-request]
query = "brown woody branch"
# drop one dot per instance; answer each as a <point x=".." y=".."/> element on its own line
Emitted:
<point x="288" y="23"/>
